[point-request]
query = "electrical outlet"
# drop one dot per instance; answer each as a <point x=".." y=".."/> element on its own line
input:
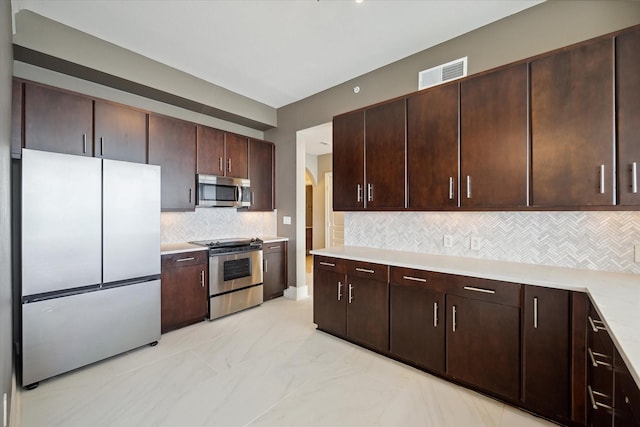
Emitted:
<point x="636" y="249"/>
<point x="286" y="220"/>
<point x="447" y="241"/>
<point x="476" y="243"/>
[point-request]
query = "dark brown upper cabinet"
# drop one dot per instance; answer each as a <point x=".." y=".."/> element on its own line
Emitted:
<point x="16" y="118"/>
<point x="385" y="149"/>
<point x="210" y="151"/>
<point x="572" y="132"/>
<point x="261" y="174"/>
<point x="432" y="148"/>
<point x="348" y="161"/>
<point x="628" y="114"/>
<point x="493" y="139"/>
<point x="120" y="132"/>
<point x="222" y="153"/>
<point x="57" y="121"/>
<point x="172" y="145"/>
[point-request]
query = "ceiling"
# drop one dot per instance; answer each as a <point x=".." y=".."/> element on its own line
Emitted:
<point x="275" y="51"/>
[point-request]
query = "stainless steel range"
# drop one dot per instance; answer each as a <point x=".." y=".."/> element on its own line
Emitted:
<point x="235" y="274"/>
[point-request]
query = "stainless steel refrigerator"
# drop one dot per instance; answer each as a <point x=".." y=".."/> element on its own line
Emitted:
<point x="90" y="260"/>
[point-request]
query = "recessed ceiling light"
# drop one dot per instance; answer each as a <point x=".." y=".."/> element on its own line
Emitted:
<point x="359" y="1"/>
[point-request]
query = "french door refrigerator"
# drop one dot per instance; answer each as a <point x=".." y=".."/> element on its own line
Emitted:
<point x="90" y="274"/>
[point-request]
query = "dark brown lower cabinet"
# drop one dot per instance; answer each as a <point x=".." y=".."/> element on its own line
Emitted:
<point x="368" y="311"/>
<point x="546" y="352"/>
<point x="329" y="301"/>
<point x="483" y="345"/>
<point x="417" y="325"/>
<point x="183" y="289"/>
<point x="275" y="270"/>
<point x="626" y="395"/>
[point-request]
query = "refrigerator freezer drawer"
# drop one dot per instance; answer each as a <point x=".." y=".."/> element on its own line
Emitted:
<point x="62" y="334"/>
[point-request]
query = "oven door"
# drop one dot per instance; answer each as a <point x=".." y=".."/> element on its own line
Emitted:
<point x="234" y="271"/>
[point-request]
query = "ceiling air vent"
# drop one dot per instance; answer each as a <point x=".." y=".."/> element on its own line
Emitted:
<point x="442" y="73"/>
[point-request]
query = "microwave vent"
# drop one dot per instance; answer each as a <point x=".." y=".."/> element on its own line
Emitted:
<point x="442" y="73"/>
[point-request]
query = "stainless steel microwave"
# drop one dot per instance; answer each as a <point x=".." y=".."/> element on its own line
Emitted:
<point x="221" y="191"/>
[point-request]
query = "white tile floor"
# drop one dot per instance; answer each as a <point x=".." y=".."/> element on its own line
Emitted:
<point x="267" y="366"/>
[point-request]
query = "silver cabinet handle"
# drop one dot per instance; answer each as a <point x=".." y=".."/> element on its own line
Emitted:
<point x="468" y="186"/>
<point x="435" y="314"/>
<point x="601" y="179"/>
<point x="275" y="247"/>
<point x="595" y="362"/>
<point x="202" y="278"/>
<point x="185" y="259"/>
<point x="339" y="291"/>
<point x="597" y="327"/>
<point x="596" y="404"/>
<point x="535" y="313"/>
<point x="220" y="165"/>
<point x="415" y="279"/>
<point x="350" y="293"/>
<point x="101" y="146"/>
<point x="253" y="197"/>
<point x="634" y="177"/>
<point x="229" y="165"/>
<point x="593" y="359"/>
<point x="359" y="194"/>
<point x="84" y="142"/>
<point x="328" y="264"/>
<point x="266" y="265"/>
<point x="454" y="318"/>
<point x="369" y="192"/>
<point x="365" y="270"/>
<point x="474" y="289"/>
<point x="450" y="188"/>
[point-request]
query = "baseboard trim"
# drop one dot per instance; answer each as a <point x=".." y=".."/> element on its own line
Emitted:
<point x="297" y="292"/>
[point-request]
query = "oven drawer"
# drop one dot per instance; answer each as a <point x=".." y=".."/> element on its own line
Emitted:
<point x="235" y="301"/>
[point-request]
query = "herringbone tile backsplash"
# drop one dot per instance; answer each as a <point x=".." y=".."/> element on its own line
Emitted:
<point x="589" y="240"/>
<point x="207" y="223"/>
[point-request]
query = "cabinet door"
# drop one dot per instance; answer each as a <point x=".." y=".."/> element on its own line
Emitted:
<point x="261" y="174"/>
<point x="172" y="146"/>
<point x="275" y="270"/>
<point x="57" y="121"/>
<point x="348" y="162"/>
<point x="483" y="345"/>
<point x="368" y="312"/>
<point x="628" y="114"/>
<point x="417" y="325"/>
<point x="183" y="296"/>
<point x="546" y="373"/>
<point x="385" y="141"/>
<point x="329" y="301"/>
<point x="572" y="129"/>
<point x="432" y="148"/>
<point x="600" y="375"/>
<point x="237" y="155"/>
<point x="626" y="396"/>
<point x="16" y="118"/>
<point x="210" y="151"/>
<point x="120" y="133"/>
<point x="493" y="139"/>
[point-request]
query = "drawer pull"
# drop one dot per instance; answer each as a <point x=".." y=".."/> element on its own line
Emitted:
<point x="415" y="279"/>
<point x="596" y="404"/>
<point x="595" y="362"/>
<point x="484" y="291"/>
<point x="185" y="259"/>
<point x="328" y="264"/>
<point x="364" y="270"/>
<point x="273" y="247"/>
<point x="435" y="314"/>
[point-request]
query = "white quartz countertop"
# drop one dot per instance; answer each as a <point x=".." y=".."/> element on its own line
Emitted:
<point x="616" y="296"/>
<point x="174" y="248"/>
<point x="273" y="239"/>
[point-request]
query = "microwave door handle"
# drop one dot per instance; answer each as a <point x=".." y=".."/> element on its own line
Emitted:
<point x="238" y="193"/>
